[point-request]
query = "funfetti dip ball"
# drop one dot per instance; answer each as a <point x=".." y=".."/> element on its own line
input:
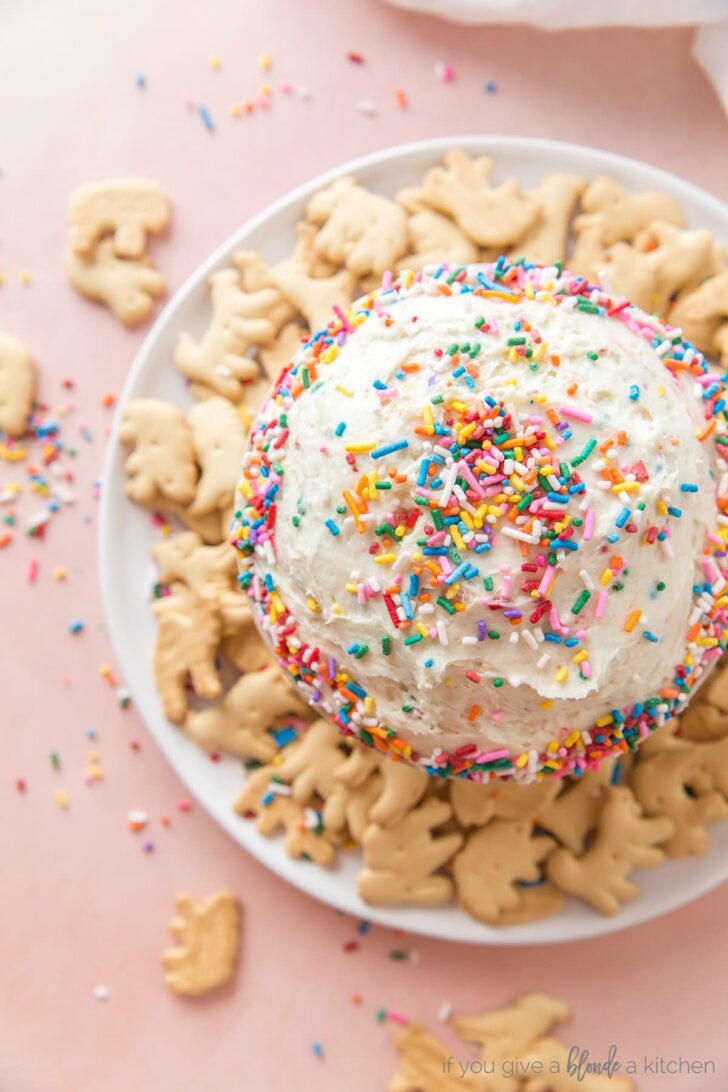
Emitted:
<point x="481" y="521"/>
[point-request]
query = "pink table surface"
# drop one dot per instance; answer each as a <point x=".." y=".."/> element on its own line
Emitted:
<point x="83" y="905"/>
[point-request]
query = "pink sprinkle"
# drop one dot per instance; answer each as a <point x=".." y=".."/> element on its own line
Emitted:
<point x="343" y="319"/>
<point x="397" y="1018"/>
<point x="493" y="756"/>
<point x="33" y="566"/>
<point x="601" y="605"/>
<point x="387" y="279"/>
<point x="586" y="669"/>
<point x="285" y="86"/>
<point x="576" y="414"/>
<point x="589" y="521"/>
<point x="444" y="72"/>
<point x="470" y="478"/>
<point x="546" y="580"/>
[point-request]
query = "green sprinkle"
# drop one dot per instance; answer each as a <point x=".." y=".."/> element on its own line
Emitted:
<point x="437" y="519"/>
<point x="306" y="378"/>
<point x="361" y="651"/>
<point x="398" y="955"/>
<point x="479" y="321"/>
<point x="384" y="485"/>
<point x="475" y="350"/>
<point x="516" y="341"/>
<point x="413" y="639"/>
<point x="437" y="399"/>
<point x="380" y="1016"/>
<point x="580" y="602"/>
<point x="296" y="521"/>
<point x="585" y="305"/>
<point x="341" y="509"/>
<point x="455" y="273"/>
<point x="55" y="760"/>
<point x="585" y="453"/>
<point x="661" y="585"/>
<point x="498" y="682"/>
<point x="386" y="645"/>
<point x="442" y="602"/>
<point x="493" y="635"/>
<point x="488" y="583"/>
<point x="525" y="501"/>
<point x="592" y="355"/>
<point x="407" y="708"/>
<point x="451" y="349"/>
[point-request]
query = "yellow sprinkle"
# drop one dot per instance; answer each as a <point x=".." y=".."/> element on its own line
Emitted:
<point x="235" y="109"/>
<point x="660" y="389"/>
<point x="626" y="487"/>
<point x="385" y="559"/>
<point x="59" y="573"/>
<point x="456" y="537"/>
<point x="512" y="356"/>
<point x="61" y="799"/>
<point x="707" y="642"/>
<point x="661" y="508"/>
<point x="606" y="576"/>
<point x="460" y="406"/>
<point x="427" y="417"/>
<point x="562" y="674"/>
<point x="521" y="761"/>
<point x="572" y="738"/>
<point x="579" y="657"/>
<point x="470" y="427"/>
<point x="400" y="531"/>
<point x="552" y="747"/>
<point x="467" y="519"/>
<point x="264" y="61"/>
<point x="351" y="588"/>
<point x="24" y="276"/>
<point x="547" y="703"/>
<point x="422" y="628"/>
<point x="336" y="608"/>
<point x="214" y="62"/>
<point x="370" y="705"/>
<point x="540" y="398"/>
<point x="359" y="449"/>
<point x="343" y="390"/>
<point x="605" y="720"/>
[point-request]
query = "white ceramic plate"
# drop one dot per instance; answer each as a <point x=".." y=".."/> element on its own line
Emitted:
<point x="126" y="537"/>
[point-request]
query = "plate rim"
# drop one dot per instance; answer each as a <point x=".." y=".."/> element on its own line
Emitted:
<point x="296" y="872"/>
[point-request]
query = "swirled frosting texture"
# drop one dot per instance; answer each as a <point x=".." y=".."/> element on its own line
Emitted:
<point x="480" y="519"/>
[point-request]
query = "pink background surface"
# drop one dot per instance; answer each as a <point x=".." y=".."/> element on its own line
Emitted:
<point x="83" y="905"/>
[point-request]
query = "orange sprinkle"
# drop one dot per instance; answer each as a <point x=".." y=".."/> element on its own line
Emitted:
<point x="621" y="438"/>
<point x="631" y="620"/>
<point x="474" y="710"/>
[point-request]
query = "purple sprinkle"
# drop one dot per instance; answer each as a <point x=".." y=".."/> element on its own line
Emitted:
<point x="512" y="614"/>
<point x="482" y="631"/>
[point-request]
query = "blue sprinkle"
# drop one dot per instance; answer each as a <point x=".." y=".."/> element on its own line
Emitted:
<point x="429" y="663"/>
<point x="284" y="736"/>
<point x="318" y="1049"/>
<point x="77" y="627"/>
<point x="205" y="118"/>
<point x="379" y="385"/>
<point x="141" y="81"/>
<point x="340" y="428"/>
<point x="332" y="527"/>
<point x="650" y="636"/>
<point x="422" y="476"/>
<point x="356" y="689"/>
<point x="490" y="87"/>
<point x="622" y="517"/>
<point x="673" y="511"/>
<point x="389" y="449"/>
<point x="689" y="487"/>
<point x="634" y="392"/>
<point x="614" y="538"/>
<point x="363" y="928"/>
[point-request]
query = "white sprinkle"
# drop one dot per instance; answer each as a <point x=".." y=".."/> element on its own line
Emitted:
<point x="102" y="993"/>
<point x="470" y="640"/>
<point x="530" y="640"/>
<point x="367" y="107"/>
<point x="586" y="579"/>
<point x="543" y="661"/>
<point x="444" y="1012"/>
